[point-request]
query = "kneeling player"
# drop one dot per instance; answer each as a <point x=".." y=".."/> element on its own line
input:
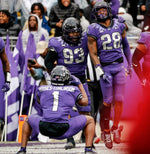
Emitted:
<point x="57" y="100"/>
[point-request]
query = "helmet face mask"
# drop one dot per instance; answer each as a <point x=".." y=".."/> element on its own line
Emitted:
<point x="60" y="75"/>
<point x="72" y="31"/>
<point x="100" y="9"/>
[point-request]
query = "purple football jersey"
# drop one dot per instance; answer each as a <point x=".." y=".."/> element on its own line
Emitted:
<point x="57" y="101"/>
<point x="2" y="44"/>
<point x="108" y="40"/>
<point x="144" y="38"/>
<point x="73" y="57"/>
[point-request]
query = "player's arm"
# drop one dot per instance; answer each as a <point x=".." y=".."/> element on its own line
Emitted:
<point x="92" y="45"/>
<point x="126" y="48"/>
<point x="127" y="52"/>
<point x="83" y="99"/>
<point x="5" y="61"/>
<point x="6" y="69"/>
<point x="137" y="56"/>
<point x="50" y="59"/>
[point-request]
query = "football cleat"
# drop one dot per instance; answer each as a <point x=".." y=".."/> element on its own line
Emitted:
<point x="21" y="152"/>
<point x="107" y="140"/>
<point x="69" y="145"/>
<point x="117" y="134"/>
<point x="90" y="151"/>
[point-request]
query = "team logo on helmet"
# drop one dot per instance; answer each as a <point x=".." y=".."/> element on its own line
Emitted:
<point x="60" y="75"/>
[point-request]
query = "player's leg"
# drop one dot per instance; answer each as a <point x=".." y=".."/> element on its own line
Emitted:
<point x="30" y="123"/>
<point x="119" y="86"/>
<point x="85" y="110"/>
<point x="70" y="141"/>
<point x="78" y="123"/>
<point x="107" y="90"/>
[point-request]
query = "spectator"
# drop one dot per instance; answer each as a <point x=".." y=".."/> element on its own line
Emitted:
<point x="48" y="4"/>
<point x="130" y="28"/>
<point x="145" y="8"/>
<point x="88" y="11"/>
<point x="10" y="6"/>
<point x="34" y="27"/>
<point x="26" y="7"/>
<point x="38" y="9"/>
<point x="38" y="69"/>
<point x="60" y="12"/>
<point x="132" y="9"/>
<point x="7" y="25"/>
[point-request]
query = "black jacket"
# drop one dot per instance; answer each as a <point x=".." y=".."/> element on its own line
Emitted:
<point x="59" y="12"/>
<point x="10" y="28"/>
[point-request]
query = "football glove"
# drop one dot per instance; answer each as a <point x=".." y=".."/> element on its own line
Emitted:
<point x="6" y="86"/>
<point x="102" y="74"/>
<point x="106" y="77"/>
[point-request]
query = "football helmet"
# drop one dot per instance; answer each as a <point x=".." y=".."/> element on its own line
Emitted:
<point x="99" y="5"/>
<point x="60" y="75"/>
<point x="71" y="25"/>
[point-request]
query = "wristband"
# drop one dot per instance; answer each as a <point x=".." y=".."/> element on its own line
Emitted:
<point x="99" y="70"/>
<point x="7" y="76"/>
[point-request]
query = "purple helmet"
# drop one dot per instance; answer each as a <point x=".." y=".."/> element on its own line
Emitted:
<point x="71" y="24"/>
<point x="101" y="4"/>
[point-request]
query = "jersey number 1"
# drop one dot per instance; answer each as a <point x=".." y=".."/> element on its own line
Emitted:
<point x="55" y="101"/>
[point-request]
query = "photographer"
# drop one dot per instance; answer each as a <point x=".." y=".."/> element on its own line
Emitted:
<point x="37" y="67"/>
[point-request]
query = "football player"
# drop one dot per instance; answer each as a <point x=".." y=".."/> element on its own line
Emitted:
<point x="57" y="100"/>
<point x="104" y="41"/>
<point x="141" y="65"/>
<point x="71" y="50"/>
<point x="143" y="69"/>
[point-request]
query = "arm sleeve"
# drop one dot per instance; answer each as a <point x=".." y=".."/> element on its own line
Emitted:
<point x="50" y="58"/>
<point x="126" y="50"/>
<point x="136" y="64"/>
